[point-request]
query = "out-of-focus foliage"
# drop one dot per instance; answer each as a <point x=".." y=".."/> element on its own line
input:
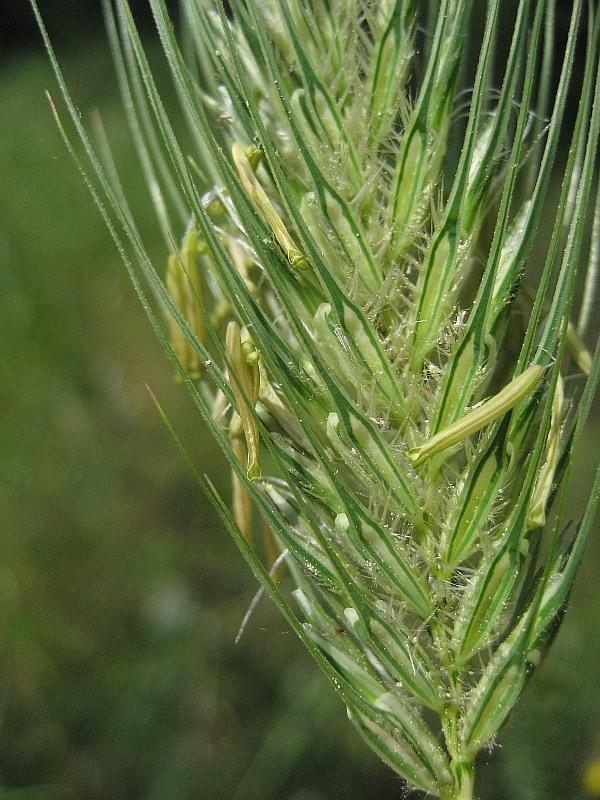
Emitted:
<point x="18" y="29"/>
<point x="120" y="594"/>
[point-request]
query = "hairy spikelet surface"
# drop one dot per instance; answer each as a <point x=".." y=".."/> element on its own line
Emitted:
<point x="371" y="301"/>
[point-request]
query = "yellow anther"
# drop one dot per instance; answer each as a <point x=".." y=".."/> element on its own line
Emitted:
<point x="241" y="502"/>
<point x="245" y="383"/>
<point x="250" y="353"/>
<point x="474" y="421"/>
<point x="185" y="287"/>
<point x="264" y="206"/>
<point x="254" y="156"/>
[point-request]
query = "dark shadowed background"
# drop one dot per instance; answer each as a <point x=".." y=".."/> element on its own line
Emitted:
<point x="120" y="594"/>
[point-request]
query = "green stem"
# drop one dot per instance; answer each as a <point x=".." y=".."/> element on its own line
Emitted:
<point x="463" y="782"/>
<point x="461" y="765"/>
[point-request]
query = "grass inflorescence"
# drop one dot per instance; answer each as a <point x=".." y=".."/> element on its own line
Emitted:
<point x="381" y="314"/>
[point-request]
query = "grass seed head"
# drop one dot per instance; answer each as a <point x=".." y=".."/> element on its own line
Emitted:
<point x="362" y="204"/>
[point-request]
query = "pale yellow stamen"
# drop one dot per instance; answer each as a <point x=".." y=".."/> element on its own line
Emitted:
<point x="184" y="284"/>
<point x="245" y="383"/>
<point x="474" y="421"/>
<point x="257" y="194"/>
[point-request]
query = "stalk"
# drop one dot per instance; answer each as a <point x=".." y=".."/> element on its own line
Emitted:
<point x="463" y="789"/>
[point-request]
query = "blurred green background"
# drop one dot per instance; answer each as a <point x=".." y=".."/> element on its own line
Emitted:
<point x="120" y="594"/>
